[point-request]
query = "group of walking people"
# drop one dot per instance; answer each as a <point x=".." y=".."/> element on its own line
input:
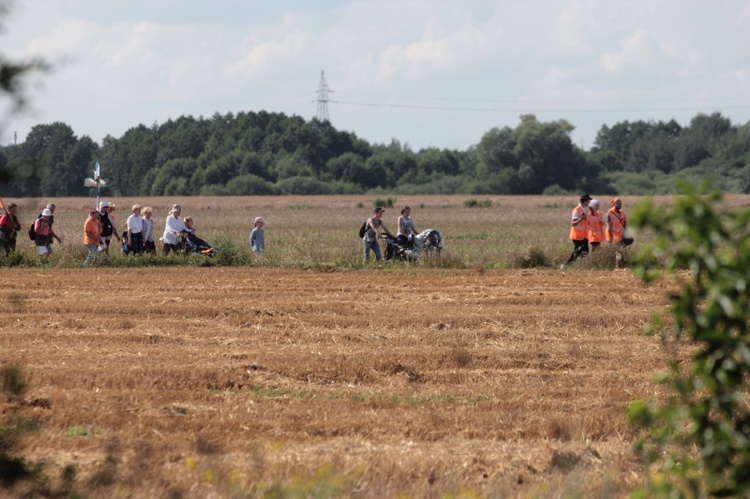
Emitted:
<point x="40" y="231"/>
<point x="100" y="229"/>
<point x="138" y="236"/>
<point x="589" y="227"/>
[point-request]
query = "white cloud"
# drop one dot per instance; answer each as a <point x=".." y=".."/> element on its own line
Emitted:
<point x="432" y="54"/>
<point x="132" y="44"/>
<point x="633" y="53"/>
<point x="254" y="57"/>
<point x="67" y="38"/>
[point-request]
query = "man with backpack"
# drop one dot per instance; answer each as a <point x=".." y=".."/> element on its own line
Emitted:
<point x="370" y="233"/>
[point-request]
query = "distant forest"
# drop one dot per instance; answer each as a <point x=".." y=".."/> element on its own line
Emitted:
<point x="261" y="153"/>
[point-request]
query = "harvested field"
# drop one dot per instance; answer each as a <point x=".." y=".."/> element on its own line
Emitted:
<point x="236" y="382"/>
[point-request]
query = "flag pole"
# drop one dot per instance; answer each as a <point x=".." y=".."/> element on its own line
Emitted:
<point x="97" y="178"/>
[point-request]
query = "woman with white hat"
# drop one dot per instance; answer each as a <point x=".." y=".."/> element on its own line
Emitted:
<point x="44" y="233"/>
<point x="172" y="231"/>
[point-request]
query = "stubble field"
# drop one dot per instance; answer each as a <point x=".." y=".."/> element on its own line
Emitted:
<point x="322" y="379"/>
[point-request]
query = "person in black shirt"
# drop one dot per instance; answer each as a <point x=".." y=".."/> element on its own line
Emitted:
<point x="108" y="228"/>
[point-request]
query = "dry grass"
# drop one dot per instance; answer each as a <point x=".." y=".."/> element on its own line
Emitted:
<point x="236" y="382"/>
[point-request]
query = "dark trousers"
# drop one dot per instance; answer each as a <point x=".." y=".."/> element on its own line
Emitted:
<point x="137" y="247"/>
<point x="172" y="247"/>
<point x="580" y="248"/>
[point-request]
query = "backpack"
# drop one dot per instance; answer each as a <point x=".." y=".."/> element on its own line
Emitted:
<point x="363" y="229"/>
<point x="32" y="232"/>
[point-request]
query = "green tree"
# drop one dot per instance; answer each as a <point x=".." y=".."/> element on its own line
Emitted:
<point x="698" y="440"/>
<point x="546" y="154"/>
<point x="495" y="152"/>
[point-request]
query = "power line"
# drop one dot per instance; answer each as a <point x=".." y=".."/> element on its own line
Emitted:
<point x="534" y="102"/>
<point x="530" y="109"/>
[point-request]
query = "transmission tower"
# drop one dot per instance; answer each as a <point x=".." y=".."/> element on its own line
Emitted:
<point x="322" y="100"/>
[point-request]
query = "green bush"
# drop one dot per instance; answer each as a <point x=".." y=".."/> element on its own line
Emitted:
<point x="532" y="258"/>
<point x="474" y="203"/>
<point x="697" y="442"/>
<point x="303" y="185"/>
<point x="383" y="203"/>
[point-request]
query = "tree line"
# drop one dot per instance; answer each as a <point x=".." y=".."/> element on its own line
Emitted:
<point x="262" y="153"/>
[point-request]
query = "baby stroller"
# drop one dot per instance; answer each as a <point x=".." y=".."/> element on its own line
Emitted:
<point x="429" y="242"/>
<point x="400" y="249"/>
<point x="193" y="244"/>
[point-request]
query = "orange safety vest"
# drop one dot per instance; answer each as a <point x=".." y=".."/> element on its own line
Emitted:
<point x="617" y="223"/>
<point x="596" y="227"/>
<point x="581" y="231"/>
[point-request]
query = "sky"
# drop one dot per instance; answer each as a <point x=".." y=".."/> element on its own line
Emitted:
<point x="427" y="73"/>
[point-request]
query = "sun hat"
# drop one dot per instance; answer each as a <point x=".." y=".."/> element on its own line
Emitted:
<point x="594" y="202"/>
<point x="259" y="219"/>
<point x="103" y="204"/>
<point x="585" y="197"/>
<point x="47" y="212"/>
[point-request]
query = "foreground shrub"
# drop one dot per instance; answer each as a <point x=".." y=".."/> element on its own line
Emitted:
<point x="18" y="476"/>
<point x="697" y="442"/>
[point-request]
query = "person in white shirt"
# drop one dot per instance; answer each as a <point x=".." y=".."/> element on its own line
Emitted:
<point x="135" y="231"/>
<point x="147" y="223"/>
<point x="174" y="228"/>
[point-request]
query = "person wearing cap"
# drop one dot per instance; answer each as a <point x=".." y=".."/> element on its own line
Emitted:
<point x="44" y="233"/>
<point x="596" y="225"/>
<point x="370" y="239"/>
<point x="91" y="236"/>
<point x="51" y="207"/>
<point x="134" y="228"/>
<point x="257" y="237"/>
<point x="107" y="223"/>
<point x="9" y="227"/>
<point x="173" y="229"/>
<point x="579" y="230"/>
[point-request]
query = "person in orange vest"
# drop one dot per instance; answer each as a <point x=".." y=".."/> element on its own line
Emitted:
<point x="617" y="222"/>
<point x="596" y="225"/>
<point x="579" y="230"/>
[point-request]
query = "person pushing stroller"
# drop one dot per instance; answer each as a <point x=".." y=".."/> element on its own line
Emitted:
<point x="372" y="233"/>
